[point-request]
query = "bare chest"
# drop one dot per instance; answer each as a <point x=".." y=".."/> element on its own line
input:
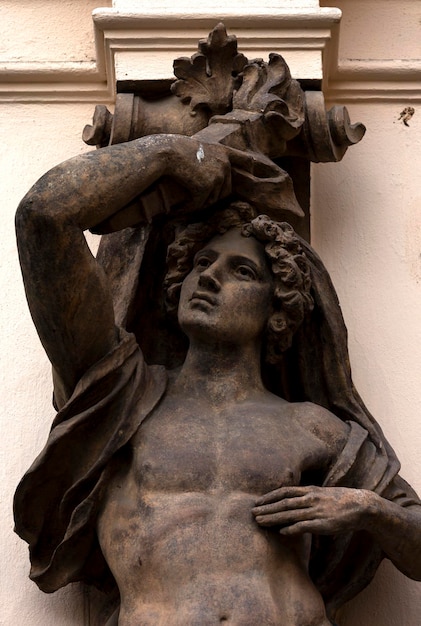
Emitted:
<point x="245" y="448"/>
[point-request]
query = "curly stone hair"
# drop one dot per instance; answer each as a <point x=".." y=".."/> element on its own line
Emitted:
<point x="291" y="299"/>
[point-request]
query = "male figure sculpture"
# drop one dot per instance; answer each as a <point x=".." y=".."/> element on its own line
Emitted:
<point x="203" y="496"/>
<point x="218" y="467"/>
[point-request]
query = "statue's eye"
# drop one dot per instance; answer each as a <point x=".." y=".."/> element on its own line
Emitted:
<point x="246" y="272"/>
<point x="202" y="262"/>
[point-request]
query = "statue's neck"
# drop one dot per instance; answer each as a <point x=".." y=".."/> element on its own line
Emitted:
<point x="226" y="373"/>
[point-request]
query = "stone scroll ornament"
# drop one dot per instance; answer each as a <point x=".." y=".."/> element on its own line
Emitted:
<point x="74" y="506"/>
<point x="253" y="106"/>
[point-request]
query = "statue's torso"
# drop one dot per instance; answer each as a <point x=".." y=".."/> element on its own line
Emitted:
<point x="177" y="528"/>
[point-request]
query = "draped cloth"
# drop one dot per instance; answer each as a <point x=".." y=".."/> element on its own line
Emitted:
<point x="58" y="500"/>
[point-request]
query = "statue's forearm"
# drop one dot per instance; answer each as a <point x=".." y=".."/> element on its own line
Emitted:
<point x="90" y="188"/>
<point x="99" y="187"/>
<point x="398" y="531"/>
<point x="335" y="510"/>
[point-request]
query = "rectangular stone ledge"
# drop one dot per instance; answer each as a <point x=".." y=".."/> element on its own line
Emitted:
<point x="378" y="69"/>
<point x="52" y="82"/>
<point x="364" y="91"/>
<point x="26" y="91"/>
<point x="378" y="80"/>
<point x="143" y="46"/>
<point x="156" y="64"/>
<point x="133" y="46"/>
<point x="307" y="36"/>
<point x="115" y="18"/>
<point x="213" y="6"/>
<point x="80" y="72"/>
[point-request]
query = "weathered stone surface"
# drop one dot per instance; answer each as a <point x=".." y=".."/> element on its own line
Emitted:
<point x="210" y="460"/>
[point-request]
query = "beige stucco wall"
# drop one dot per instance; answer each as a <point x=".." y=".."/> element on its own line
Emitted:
<point x="366" y="220"/>
<point x="367" y="227"/>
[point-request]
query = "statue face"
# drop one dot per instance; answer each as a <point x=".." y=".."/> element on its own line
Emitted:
<point x="227" y="295"/>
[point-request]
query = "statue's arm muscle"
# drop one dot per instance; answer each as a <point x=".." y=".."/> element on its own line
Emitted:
<point x="66" y="289"/>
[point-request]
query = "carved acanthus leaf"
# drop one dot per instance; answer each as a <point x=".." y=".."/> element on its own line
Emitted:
<point x="269" y="89"/>
<point x="209" y="78"/>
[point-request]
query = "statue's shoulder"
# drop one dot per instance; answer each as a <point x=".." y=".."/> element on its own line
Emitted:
<point x="323" y="424"/>
<point x="312" y="417"/>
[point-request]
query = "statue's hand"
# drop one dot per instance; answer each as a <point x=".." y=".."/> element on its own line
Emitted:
<point x="209" y="171"/>
<point x="318" y="510"/>
<point x="202" y="169"/>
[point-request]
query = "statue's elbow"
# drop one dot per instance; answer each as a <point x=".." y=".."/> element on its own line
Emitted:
<point x="33" y="215"/>
<point x="25" y="215"/>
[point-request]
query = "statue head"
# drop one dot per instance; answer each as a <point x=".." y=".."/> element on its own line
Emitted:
<point x="286" y="262"/>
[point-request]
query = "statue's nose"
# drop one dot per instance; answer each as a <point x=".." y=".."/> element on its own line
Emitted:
<point x="208" y="280"/>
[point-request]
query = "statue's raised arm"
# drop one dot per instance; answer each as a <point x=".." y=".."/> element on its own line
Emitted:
<point x="66" y="288"/>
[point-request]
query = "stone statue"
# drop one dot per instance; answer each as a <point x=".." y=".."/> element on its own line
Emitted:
<point x="210" y="460"/>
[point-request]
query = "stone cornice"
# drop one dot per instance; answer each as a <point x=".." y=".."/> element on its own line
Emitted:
<point x="308" y="34"/>
<point x="308" y="37"/>
<point x="377" y="80"/>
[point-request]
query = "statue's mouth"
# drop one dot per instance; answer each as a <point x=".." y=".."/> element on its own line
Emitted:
<point x="204" y="297"/>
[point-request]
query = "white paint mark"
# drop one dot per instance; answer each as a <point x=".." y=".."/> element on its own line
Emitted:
<point x="200" y="154"/>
